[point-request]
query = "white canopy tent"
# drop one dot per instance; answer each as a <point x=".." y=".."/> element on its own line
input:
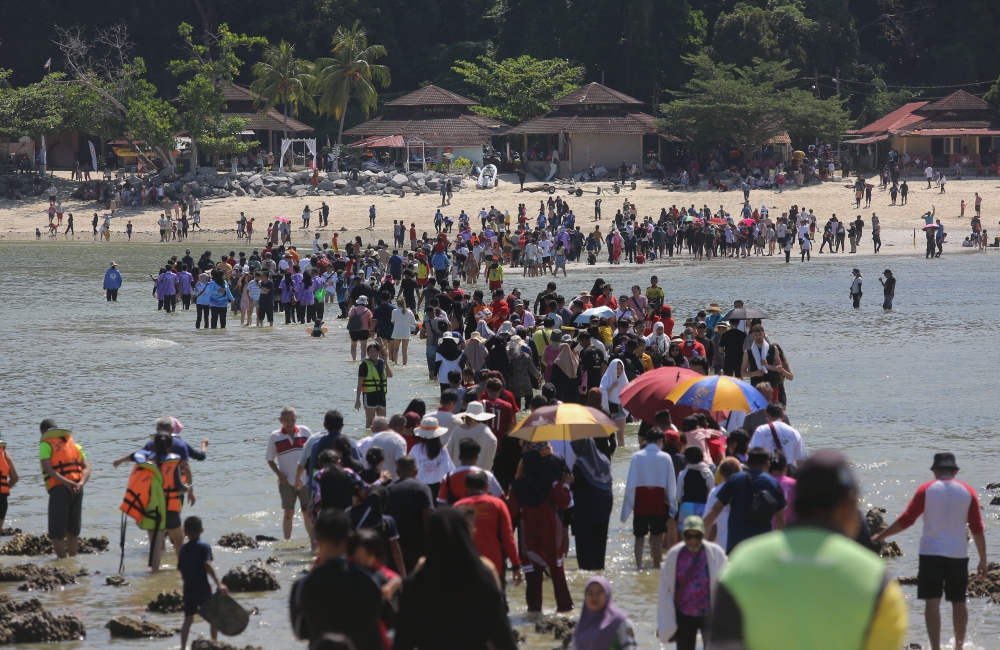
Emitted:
<point x="310" y="145"/>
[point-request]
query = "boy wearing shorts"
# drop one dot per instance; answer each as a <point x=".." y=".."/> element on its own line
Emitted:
<point x="195" y="565"/>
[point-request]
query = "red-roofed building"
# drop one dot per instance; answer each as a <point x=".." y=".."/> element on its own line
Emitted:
<point x="960" y="128"/>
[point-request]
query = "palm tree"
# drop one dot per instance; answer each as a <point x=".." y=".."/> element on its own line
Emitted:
<point x="282" y="79"/>
<point x="349" y="72"/>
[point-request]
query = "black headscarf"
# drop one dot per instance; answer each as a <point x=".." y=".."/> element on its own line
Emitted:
<point x="594" y="465"/>
<point x="540" y="472"/>
<point x="448" y="348"/>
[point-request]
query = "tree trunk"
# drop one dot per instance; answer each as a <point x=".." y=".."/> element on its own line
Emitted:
<point x="194" y="157"/>
<point x="340" y="131"/>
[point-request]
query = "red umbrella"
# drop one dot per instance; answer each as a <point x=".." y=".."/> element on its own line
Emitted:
<point x="748" y="222"/>
<point x="716" y="221"/>
<point x="645" y="396"/>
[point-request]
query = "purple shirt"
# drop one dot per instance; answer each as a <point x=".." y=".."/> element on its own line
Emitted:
<point x="304" y="294"/>
<point x="691" y="595"/>
<point x="286" y="291"/>
<point x="185" y="279"/>
<point x="168" y="284"/>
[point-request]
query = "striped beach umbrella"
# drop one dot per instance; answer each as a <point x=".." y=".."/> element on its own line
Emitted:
<point x="716" y="393"/>
<point x="564" y="422"/>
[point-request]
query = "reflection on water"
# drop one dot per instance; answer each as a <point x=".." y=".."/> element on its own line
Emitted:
<point x="889" y="389"/>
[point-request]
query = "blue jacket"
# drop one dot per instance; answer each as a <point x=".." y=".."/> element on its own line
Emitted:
<point x="201" y="293"/>
<point x="219" y="296"/>
<point x="112" y="279"/>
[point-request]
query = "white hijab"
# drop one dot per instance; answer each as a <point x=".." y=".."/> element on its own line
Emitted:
<point x="612" y="383"/>
<point x="658" y="338"/>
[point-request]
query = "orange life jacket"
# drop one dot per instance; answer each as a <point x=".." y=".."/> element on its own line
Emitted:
<point x="144" y="501"/>
<point x="173" y="486"/>
<point x="66" y="459"/>
<point x="4" y="470"/>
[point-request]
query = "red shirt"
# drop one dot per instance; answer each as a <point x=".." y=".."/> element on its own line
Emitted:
<point x="413" y="234"/>
<point x="493" y="535"/>
<point x="608" y="301"/>
<point x="503" y="416"/>
<point x="692" y="349"/>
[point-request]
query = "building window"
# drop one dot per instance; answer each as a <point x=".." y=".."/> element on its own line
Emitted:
<point x="947" y="145"/>
<point x="956" y="146"/>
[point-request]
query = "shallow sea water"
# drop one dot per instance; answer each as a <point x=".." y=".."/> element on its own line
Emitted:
<point x="889" y="389"/>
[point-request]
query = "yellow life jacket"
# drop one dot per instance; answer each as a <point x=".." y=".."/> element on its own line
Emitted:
<point x="66" y="459"/>
<point x="144" y="500"/>
<point x="374" y="381"/>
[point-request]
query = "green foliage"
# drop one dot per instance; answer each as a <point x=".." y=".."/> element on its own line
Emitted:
<point x="153" y="121"/>
<point x="350" y="73"/>
<point x="281" y="79"/>
<point x="516" y="90"/>
<point x="30" y="109"/>
<point x="751" y="32"/>
<point x="749" y="105"/>
<point x="212" y="66"/>
<point x="954" y="64"/>
<point x="461" y="163"/>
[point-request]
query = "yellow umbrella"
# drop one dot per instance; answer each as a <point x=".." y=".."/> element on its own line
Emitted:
<point x="565" y="422"/>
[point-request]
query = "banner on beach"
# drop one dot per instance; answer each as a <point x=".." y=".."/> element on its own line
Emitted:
<point x="45" y="157"/>
<point x="93" y="154"/>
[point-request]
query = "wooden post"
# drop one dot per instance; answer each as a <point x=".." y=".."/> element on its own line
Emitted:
<point x="569" y="153"/>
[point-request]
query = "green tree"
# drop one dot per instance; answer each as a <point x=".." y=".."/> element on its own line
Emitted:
<point x="750" y="32"/>
<point x="29" y="109"/>
<point x="212" y="64"/>
<point x="350" y="73"/>
<point x="282" y="80"/>
<point x="748" y="106"/>
<point x="516" y="90"/>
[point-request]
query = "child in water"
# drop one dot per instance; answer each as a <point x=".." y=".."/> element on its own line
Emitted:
<point x="195" y="565"/>
<point x="317" y="329"/>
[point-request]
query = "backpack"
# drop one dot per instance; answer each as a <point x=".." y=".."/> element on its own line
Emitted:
<point x="354" y="322"/>
<point x="763" y="506"/>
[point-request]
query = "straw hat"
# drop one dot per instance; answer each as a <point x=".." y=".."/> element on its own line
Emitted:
<point x="475" y="411"/>
<point x="429" y="428"/>
<point x="713" y="307"/>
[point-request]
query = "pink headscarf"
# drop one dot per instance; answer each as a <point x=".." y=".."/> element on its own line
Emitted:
<point x="178" y="427"/>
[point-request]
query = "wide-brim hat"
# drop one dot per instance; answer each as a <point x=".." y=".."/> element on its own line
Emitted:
<point x="476" y="411"/>
<point x="944" y="460"/>
<point x="429" y="428"/>
<point x="713" y="307"/>
<point x="362" y="300"/>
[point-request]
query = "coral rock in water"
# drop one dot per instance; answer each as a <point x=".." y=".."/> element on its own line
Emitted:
<point x="28" y="544"/>
<point x="29" y="622"/>
<point x="206" y="644"/>
<point x="255" y="578"/>
<point x="123" y="627"/>
<point x="36" y="578"/>
<point x="115" y="581"/>
<point x="237" y="540"/>
<point x="167" y="602"/>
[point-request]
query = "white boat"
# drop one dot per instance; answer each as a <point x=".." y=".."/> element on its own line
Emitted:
<point x="487" y="177"/>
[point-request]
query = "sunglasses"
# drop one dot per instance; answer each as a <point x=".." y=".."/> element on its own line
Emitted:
<point x="697" y="536"/>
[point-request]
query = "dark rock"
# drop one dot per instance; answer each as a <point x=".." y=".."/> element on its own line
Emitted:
<point x="207" y="644"/>
<point x="255" y="578"/>
<point x="907" y="580"/>
<point x="891" y="549"/>
<point x="28" y="544"/>
<point x="978" y="587"/>
<point x="29" y="622"/>
<point x="265" y="538"/>
<point x="10" y="532"/>
<point x="273" y="561"/>
<point x="82" y="573"/>
<point x="123" y="627"/>
<point x="993" y="486"/>
<point x="876" y="520"/>
<point x="167" y="602"/>
<point x="558" y="626"/>
<point x="521" y="639"/>
<point x="115" y="581"/>
<point x="995" y="501"/>
<point x="237" y="540"/>
<point x="37" y="578"/>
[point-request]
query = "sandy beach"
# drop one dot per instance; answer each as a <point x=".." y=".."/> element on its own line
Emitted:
<point x="349" y="214"/>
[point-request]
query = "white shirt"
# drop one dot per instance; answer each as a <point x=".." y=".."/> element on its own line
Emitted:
<point x="928" y="171"/>
<point x="722" y="523"/>
<point x="432" y="470"/>
<point x="856" y="285"/>
<point x="401" y="323"/>
<point x="791" y="441"/>
<point x="482" y="435"/>
<point x="393" y="447"/>
<point x="287" y="450"/>
<point x="545" y="247"/>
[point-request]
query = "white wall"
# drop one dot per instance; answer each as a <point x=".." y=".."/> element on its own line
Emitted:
<point x="605" y="150"/>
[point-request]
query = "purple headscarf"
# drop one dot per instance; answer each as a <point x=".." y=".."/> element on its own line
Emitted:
<point x="597" y="630"/>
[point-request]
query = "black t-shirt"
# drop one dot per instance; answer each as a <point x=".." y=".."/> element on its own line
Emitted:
<point x="266" y="299"/>
<point x="338" y="596"/>
<point x="591" y="360"/>
<point x="732" y="342"/>
<point x="408" y="498"/>
<point x="383" y="314"/>
<point x="890" y="286"/>
<point x="409" y="288"/>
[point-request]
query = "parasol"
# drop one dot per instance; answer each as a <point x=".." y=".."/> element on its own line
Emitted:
<point x="564" y="422"/>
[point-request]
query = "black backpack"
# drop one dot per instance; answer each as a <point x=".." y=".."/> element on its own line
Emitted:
<point x="763" y="506"/>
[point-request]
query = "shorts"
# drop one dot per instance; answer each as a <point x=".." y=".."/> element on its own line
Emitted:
<point x="289" y="494"/>
<point x="359" y="335"/>
<point x="373" y="400"/>
<point x="193" y="602"/>
<point x="935" y="572"/>
<point x="546" y="259"/>
<point x="3" y="506"/>
<point x="643" y="525"/>
<point x="173" y="520"/>
<point x="65" y="512"/>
